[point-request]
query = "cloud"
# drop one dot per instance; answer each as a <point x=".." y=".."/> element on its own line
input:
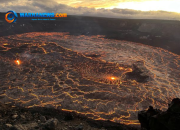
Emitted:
<point x="77" y="3"/>
<point x="54" y="6"/>
<point x="5" y="1"/>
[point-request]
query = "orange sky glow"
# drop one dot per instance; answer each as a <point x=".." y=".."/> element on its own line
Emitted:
<point x="143" y="5"/>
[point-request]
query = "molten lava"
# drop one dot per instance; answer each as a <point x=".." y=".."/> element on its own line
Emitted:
<point x="121" y="68"/>
<point x="113" y="78"/>
<point x="90" y="75"/>
<point x="17" y="62"/>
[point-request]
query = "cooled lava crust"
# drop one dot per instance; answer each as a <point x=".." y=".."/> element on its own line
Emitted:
<point x="100" y="78"/>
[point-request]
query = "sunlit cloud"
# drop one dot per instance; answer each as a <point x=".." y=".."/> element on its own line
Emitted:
<point x="97" y="3"/>
<point x="165" y="5"/>
<point x="138" y="9"/>
<point x="143" y="5"/>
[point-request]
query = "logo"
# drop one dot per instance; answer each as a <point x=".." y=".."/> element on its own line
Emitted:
<point x="11" y="16"/>
<point x="47" y="15"/>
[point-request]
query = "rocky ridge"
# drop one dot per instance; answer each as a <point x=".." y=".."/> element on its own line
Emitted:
<point x="155" y="119"/>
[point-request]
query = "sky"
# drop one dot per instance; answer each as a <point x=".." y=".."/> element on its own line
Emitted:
<point x="136" y="9"/>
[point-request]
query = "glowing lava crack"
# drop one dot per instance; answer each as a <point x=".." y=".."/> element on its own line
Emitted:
<point x="100" y="78"/>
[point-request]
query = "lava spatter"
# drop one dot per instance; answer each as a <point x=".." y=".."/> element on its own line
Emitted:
<point x="100" y="78"/>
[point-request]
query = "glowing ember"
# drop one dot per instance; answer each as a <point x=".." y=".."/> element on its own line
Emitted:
<point x="121" y="68"/>
<point x="129" y="69"/>
<point x="17" y="62"/>
<point x="113" y="78"/>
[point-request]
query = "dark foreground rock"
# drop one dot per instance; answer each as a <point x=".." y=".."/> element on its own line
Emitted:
<point x="18" y="118"/>
<point x="154" y="119"/>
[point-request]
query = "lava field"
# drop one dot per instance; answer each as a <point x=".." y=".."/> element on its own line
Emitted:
<point x="100" y="78"/>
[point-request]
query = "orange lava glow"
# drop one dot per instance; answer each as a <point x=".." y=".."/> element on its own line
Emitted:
<point x="121" y="68"/>
<point x="17" y="62"/>
<point x="129" y="69"/>
<point x="90" y="75"/>
<point x="113" y="78"/>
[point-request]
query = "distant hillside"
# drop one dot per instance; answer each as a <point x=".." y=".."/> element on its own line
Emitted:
<point x="159" y="33"/>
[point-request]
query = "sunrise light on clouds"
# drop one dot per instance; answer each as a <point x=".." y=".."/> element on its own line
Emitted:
<point x="136" y="9"/>
<point x="165" y="5"/>
<point x="143" y="5"/>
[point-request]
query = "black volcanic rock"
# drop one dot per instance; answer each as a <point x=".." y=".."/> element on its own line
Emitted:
<point x="175" y="106"/>
<point x="154" y="119"/>
<point x="144" y="116"/>
<point x="140" y="73"/>
<point x="39" y="118"/>
<point x="93" y="55"/>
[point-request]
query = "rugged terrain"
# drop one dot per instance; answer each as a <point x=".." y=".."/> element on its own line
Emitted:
<point x="155" y="119"/>
<point x="19" y="118"/>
